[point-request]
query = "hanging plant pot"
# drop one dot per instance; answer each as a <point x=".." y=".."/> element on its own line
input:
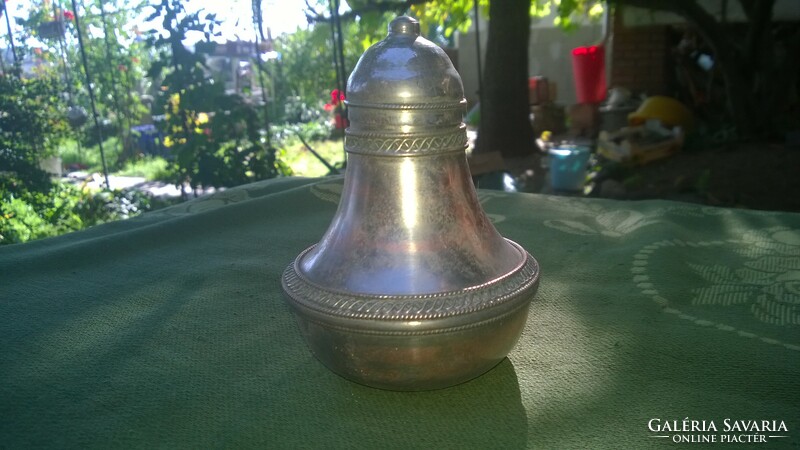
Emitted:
<point x="51" y="30"/>
<point x="76" y="116"/>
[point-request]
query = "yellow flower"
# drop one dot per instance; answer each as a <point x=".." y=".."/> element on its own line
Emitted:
<point x="174" y="102"/>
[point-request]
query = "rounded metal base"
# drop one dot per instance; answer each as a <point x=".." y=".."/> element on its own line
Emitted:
<point x="413" y="342"/>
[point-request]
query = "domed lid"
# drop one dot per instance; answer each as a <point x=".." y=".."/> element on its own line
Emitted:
<point x="404" y="69"/>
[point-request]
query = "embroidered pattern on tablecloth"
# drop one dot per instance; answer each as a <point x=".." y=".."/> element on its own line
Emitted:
<point x="764" y="280"/>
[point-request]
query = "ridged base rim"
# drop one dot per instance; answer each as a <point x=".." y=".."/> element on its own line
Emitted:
<point x="500" y="295"/>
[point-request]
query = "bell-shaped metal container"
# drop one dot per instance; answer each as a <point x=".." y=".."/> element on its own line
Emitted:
<point x="411" y="287"/>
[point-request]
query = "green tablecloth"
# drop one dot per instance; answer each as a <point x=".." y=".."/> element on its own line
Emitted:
<point x="170" y="330"/>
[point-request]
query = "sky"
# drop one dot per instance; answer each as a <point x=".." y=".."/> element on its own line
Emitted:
<point x="281" y="16"/>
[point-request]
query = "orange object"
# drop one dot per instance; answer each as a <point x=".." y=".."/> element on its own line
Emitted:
<point x="669" y="111"/>
<point x="538" y="90"/>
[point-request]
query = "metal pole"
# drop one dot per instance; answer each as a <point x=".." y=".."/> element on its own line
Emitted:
<point x="10" y="35"/>
<point x="338" y="59"/>
<point x="128" y="89"/>
<point x="91" y="92"/>
<point x="478" y="53"/>
<point x="62" y="45"/>
<point x="114" y="83"/>
<point x="334" y="43"/>
<point x="340" y="50"/>
<point x="259" y="32"/>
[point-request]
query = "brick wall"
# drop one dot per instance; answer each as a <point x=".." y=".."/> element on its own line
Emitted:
<point x="640" y="58"/>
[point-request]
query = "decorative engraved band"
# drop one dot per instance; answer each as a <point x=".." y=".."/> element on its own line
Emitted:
<point x="410" y="106"/>
<point x="387" y="144"/>
<point x="383" y="120"/>
<point x="516" y="286"/>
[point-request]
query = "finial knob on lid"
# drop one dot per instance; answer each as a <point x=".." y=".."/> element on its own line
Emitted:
<point x="404" y="25"/>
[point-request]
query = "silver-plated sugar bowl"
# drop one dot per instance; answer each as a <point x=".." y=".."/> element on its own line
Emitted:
<point x="411" y="287"/>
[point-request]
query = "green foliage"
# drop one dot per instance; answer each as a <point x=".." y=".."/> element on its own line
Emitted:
<point x="31" y="205"/>
<point x="33" y="215"/>
<point x="371" y="20"/>
<point x="152" y="168"/>
<point x="88" y="156"/>
<point x="32" y="120"/>
<point x="305" y="73"/>
<point x="21" y="222"/>
<point x="370" y="27"/>
<point x="217" y="139"/>
<point x="31" y="125"/>
<point x="304" y="164"/>
<point x="28" y="215"/>
<point x="116" y="69"/>
<point x="287" y="134"/>
<point x="447" y="16"/>
<point x="571" y="13"/>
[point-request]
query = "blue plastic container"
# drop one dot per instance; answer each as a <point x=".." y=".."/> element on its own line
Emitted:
<point x="568" y="167"/>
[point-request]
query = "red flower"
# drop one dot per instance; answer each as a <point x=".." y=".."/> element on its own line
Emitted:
<point x="122" y="68"/>
<point x="337" y="97"/>
<point x="69" y="15"/>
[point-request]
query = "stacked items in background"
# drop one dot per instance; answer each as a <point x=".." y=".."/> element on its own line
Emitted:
<point x="545" y="114"/>
<point x="654" y="131"/>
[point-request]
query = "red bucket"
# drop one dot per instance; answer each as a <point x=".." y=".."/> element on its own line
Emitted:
<point x="589" y="68"/>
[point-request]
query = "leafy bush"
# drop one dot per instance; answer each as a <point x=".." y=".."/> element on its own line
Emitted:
<point x="310" y="131"/>
<point x="88" y="157"/>
<point x="298" y="111"/>
<point x="28" y="215"/>
<point x="31" y="127"/>
<point x="216" y="138"/>
<point x="91" y="136"/>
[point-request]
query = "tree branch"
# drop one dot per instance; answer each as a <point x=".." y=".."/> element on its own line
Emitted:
<point x="311" y="9"/>
<point x="380" y="7"/>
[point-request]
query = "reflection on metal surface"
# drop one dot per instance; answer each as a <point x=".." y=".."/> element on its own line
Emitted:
<point x="408" y="193"/>
<point x="411" y="287"/>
